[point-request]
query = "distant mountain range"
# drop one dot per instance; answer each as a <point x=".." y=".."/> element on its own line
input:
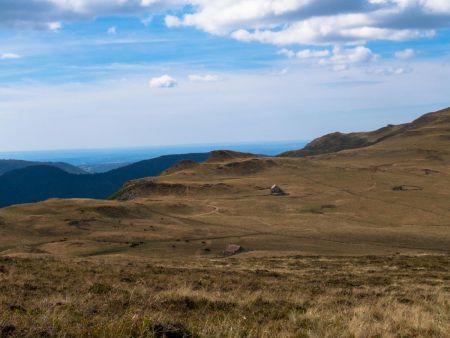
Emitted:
<point x="9" y="165"/>
<point x="40" y="182"/>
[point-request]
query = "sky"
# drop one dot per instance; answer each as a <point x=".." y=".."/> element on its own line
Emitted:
<point x="79" y="74"/>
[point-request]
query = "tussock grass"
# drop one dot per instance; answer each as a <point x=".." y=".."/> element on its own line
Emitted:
<point x="394" y="296"/>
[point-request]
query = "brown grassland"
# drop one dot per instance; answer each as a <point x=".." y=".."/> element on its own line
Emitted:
<point x="368" y="296"/>
<point x="358" y="247"/>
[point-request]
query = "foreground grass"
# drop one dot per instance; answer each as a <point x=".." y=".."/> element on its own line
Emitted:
<point x="396" y="296"/>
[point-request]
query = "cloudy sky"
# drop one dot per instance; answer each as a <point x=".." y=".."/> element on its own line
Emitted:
<point x="122" y="73"/>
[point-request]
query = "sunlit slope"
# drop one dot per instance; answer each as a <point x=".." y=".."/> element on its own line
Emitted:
<point x="429" y="132"/>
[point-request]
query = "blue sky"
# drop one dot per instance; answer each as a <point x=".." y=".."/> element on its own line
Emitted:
<point x="124" y="73"/>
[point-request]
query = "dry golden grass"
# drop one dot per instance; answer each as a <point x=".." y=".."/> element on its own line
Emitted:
<point x="395" y="296"/>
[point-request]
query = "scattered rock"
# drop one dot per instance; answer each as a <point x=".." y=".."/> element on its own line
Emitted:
<point x="3" y="269"/>
<point x="429" y="171"/>
<point x="406" y="188"/>
<point x="277" y="191"/>
<point x="233" y="249"/>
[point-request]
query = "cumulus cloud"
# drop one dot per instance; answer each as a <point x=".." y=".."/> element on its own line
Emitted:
<point x="9" y="56"/>
<point x="203" y="78"/>
<point x="279" y="22"/>
<point x="343" y="58"/>
<point x="339" y="58"/>
<point x="287" y="22"/>
<point x="405" y="54"/>
<point x="164" y="81"/>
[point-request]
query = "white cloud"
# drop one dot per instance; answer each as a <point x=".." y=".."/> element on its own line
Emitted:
<point x="279" y="22"/>
<point x="339" y="59"/>
<point x="343" y="58"/>
<point x="405" y="54"/>
<point x="317" y="22"/>
<point x="204" y="78"/>
<point x="9" y="56"/>
<point x="164" y="81"/>
<point x="112" y="30"/>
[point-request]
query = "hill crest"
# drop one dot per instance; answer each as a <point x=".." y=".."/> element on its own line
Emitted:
<point x="335" y="142"/>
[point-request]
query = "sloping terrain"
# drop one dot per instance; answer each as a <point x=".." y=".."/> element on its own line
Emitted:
<point x="38" y="183"/>
<point x="9" y="165"/>
<point x="386" y="198"/>
<point x="335" y="142"/>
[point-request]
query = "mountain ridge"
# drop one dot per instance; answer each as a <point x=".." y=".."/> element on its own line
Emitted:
<point x="38" y="183"/>
<point x="7" y="165"/>
<point x="335" y="142"/>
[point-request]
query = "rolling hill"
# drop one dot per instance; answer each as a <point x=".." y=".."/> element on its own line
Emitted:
<point x="9" y="165"/>
<point x="38" y="183"/>
<point x="391" y="196"/>
<point x="335" y="142"/>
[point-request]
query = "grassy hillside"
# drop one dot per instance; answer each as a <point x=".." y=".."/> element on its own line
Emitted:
<point x="38" y="183"/>
<point x="386" y="198"/>
<point x="338" y="141"/>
